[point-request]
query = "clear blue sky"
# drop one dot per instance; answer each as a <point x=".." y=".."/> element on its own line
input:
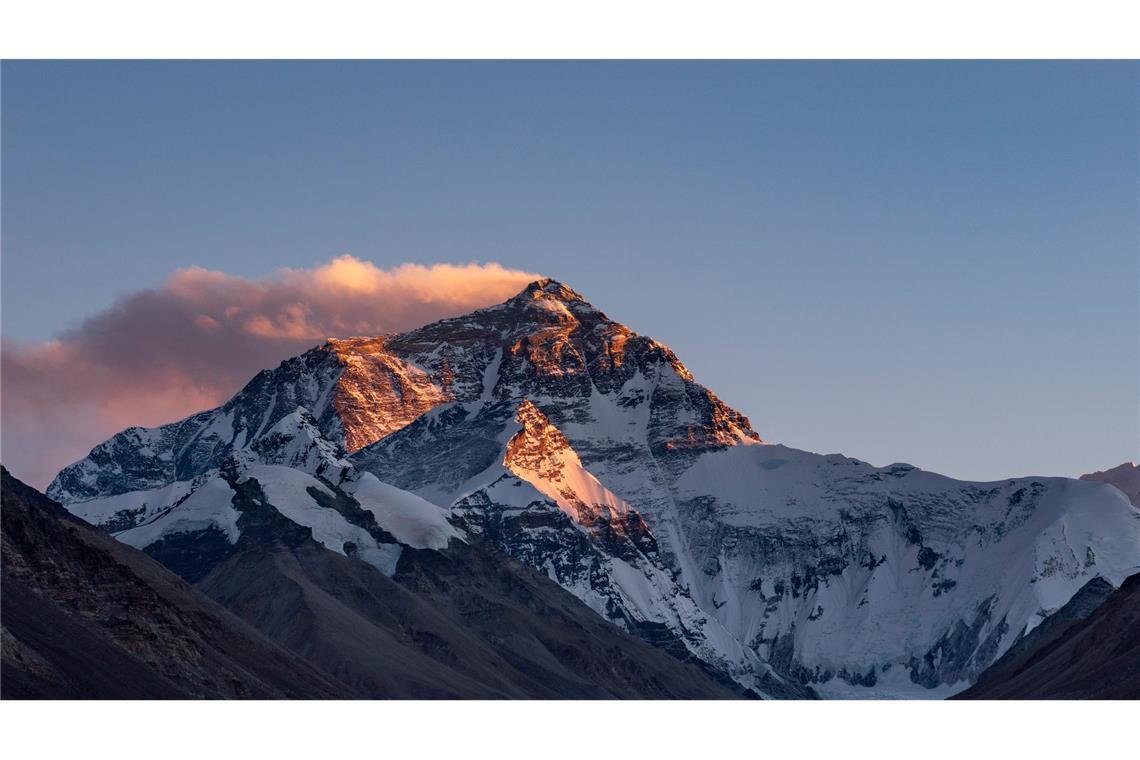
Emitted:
<point x="927" y="262"/>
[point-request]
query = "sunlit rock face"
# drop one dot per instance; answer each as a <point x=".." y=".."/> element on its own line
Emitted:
<point x="377" y="393"/>
<point x="357" y="392"/>
<point x="539" y="454"/>
<point x="591" y="453"/>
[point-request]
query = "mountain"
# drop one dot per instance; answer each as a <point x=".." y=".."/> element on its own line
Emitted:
<point x="86" y="617"/>
<point x="1126" y="477"/>
<point x="541" y="430"/>
<point x="467" y="624"/>
<point x="1089" y="650"/>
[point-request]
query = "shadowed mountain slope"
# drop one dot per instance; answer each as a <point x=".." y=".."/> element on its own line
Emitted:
<point x="1079" y="653"/>
<point x="85" y="616"/>
<point x="468" y="624"/>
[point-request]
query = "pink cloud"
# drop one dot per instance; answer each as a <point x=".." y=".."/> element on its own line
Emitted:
<point x="159" y="355"/>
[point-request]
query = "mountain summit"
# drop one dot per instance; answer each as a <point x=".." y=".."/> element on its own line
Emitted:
<point x="553" y="289"/>
<point x="544" y="431"/>
<point x="545" y="340"/>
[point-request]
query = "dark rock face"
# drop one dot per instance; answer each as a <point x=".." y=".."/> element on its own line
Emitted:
<point x="191" y="554"/>
<point x="1089" y="649"/>
<point x="48" y="654"/>
<point x="87" y="617"/>
<point x="581" y="637"/>
<point x="962" y="652"/>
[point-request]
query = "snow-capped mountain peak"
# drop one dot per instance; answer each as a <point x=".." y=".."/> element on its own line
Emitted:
<point x="550" y="289"/>
<point x="590" y="452"/>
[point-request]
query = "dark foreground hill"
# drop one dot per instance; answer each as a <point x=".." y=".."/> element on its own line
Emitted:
<point x="1090" y="649"/>
<point x="87" y="617"/>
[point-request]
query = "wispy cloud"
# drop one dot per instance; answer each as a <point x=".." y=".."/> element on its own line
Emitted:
<point x="159" y="355"/>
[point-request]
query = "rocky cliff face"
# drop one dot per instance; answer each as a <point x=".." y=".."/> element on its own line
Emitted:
<point x="592" y="454"/>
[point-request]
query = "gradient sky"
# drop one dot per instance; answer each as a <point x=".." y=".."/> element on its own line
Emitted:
<point x="924" y="262"/>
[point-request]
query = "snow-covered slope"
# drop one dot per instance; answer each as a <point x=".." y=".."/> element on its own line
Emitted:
<point x="591" y="453"/>
<point x="832" y="568"/>
<point x="539" y="504"/>
<point x="293" y="470"/>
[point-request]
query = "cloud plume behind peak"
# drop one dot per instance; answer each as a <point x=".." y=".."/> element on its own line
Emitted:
<point x="159" y="355"/>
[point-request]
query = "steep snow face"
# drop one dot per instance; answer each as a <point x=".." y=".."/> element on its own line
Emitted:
<point x="355" y="392"/>
<point x="832" y="569"/>
<point x="411" y="520"/>
<point x="296" y="441"/>
<point x="122" y="511"/>
<point x="310" y="503"/>
<point x="1126" y="477"/>
<point x="206" y="505"/>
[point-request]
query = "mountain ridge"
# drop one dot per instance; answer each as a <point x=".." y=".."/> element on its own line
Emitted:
<point x="86" y="616"/>
<point x="788" y="570"/>
<point x="280" y="616"/>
